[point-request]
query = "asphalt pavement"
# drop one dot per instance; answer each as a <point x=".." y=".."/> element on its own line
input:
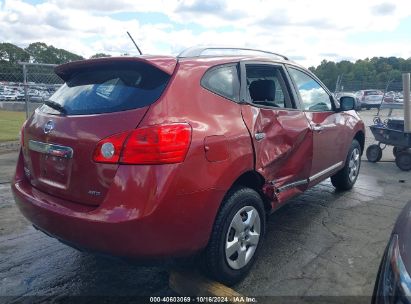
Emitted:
<point x="322" y="243"/>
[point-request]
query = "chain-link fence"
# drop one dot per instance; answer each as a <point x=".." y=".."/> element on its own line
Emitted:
<point x="354" y="86"/>
<point x="345" y="85"/>
<point x="390" y="93"/>
<point x="11" y="84"/>
<point x="27" y="86"/>
<point x="11" y="74"/>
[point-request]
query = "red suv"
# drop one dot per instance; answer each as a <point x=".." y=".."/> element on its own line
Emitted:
<point x="157" y="156"/>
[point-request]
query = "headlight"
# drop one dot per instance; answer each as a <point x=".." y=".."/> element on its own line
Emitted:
<point x="395" y="282"/>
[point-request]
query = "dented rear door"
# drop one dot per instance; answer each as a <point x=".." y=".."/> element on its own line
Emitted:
<point x="281" y="134"/>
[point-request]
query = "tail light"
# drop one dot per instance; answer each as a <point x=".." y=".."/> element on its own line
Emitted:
<point x="108" y="150"/>
<point x="159" y="144"/>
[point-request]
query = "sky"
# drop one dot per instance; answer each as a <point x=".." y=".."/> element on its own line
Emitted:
<point x="305" y="31"/>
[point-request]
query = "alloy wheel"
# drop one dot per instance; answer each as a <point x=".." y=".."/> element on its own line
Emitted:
<point x="242" y="237"/>
<point x="354" y="165"/>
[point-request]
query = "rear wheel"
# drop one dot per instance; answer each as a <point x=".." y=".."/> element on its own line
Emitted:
<point x="236" y="237"/>
<point x="347" y="176"/>
<point x="374" y="153"/>
<point x="403" y="160"/>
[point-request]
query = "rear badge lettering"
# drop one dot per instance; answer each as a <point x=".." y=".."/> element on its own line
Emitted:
<point x="94" y="193"/>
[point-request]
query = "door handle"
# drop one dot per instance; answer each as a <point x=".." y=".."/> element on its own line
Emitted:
<point x="318" y="128"/>
<point x="259" y="136"/>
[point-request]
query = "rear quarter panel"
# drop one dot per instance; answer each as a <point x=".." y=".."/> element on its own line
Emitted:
<point x="217" y="127"/>
<point x="220" y="150"/>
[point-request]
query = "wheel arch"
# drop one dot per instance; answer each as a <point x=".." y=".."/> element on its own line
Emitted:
<point x="360" y="137"/>
<point x="254" y="180"/>
<point x="215" y="258"/>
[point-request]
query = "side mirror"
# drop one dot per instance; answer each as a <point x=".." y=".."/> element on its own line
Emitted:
<point x="347" y="103"/>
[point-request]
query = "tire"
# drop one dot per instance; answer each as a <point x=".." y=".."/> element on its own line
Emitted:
<point x="396" y="150"/>
<point x="374" y="153"/>
<point x="403" y="161"/>
<point x="347" y="176"/>
<point x="230" y="266"/>
<point x="377" y="292"/>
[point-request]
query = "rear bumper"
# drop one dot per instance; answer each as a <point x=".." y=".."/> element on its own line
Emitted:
<point x="370" y="105"/>
<point x="174" y="225"/>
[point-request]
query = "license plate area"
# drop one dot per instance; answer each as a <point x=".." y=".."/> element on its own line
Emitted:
<point x="54" y="163"/>
<point x="54" y="170"/>
<point x="373" y="98"/>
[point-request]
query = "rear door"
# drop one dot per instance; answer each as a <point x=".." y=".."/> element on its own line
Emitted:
<point x="328" y="126"/>
<point x="280" y="132"/>
<point x="98" y="100"/>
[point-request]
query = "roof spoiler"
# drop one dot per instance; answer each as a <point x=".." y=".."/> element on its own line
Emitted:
<point x="166" y="64"/>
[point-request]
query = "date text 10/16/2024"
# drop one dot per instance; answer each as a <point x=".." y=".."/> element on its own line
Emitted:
<point x="203" y="299"/>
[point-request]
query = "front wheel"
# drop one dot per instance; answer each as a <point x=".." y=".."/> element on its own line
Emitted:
<point x="236" y="237"/>
<point x="347" y="176"/>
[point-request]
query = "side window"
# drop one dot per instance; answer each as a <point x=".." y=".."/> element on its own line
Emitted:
<point x="313" y="96"/>
<point x="266" y="86"/>
<point x="223" y="80"/>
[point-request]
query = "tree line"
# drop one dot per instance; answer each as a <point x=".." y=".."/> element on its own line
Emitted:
<point x="375" y="70"/>
<point x="38" y="52"/>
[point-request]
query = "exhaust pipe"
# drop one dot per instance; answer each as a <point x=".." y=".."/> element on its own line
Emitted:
<point x="407" y="102"/>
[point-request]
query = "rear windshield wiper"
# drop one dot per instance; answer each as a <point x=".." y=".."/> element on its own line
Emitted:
<point x="56" y="106"/>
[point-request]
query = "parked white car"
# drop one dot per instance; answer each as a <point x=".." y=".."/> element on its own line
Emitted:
<point x="10" y="96"/>
<point x="370" y="98"/>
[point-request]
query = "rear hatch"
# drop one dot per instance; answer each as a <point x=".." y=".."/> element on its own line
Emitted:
<point x="99" y="98"/>
<point x="373" y="97"/>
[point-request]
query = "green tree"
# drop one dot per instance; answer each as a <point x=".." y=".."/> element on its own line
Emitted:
<point x="364" y="73"/>
<point x="100" y="55"/>
<point x="42" y="53"/>
<point x="328" y="73"/>
<point x="12" y="54"/>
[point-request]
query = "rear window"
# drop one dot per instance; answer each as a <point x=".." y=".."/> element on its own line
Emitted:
<point x="109" y="88"/>
<point x="373" y="93"/>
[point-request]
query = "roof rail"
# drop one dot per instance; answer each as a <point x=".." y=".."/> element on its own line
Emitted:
<point x="224" y="51"/>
